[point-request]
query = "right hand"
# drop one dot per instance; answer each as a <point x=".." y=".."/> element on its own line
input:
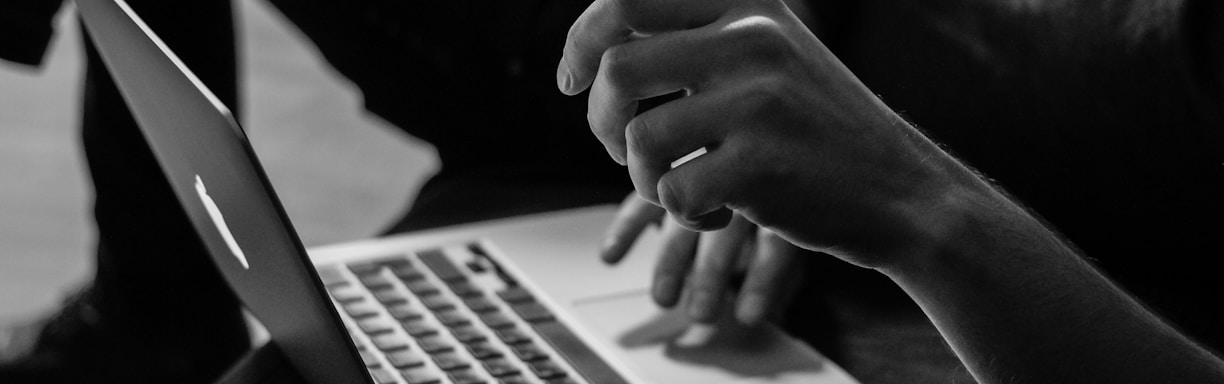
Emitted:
<point x="796" y="143"/>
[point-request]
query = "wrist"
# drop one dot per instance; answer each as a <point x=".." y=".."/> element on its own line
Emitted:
<point x="947" y="215"/>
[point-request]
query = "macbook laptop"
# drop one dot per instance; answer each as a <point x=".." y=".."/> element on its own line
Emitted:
<point x="522" y="300"/>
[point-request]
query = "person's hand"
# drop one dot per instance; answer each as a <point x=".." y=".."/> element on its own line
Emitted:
<point x="795" y="142"/>
<point x="704" y="266"/>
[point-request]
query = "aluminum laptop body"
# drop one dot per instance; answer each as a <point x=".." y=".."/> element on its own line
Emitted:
<point x="447" y="291"/>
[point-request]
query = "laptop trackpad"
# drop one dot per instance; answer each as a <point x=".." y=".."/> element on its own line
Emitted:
<point x="666" y="347"/>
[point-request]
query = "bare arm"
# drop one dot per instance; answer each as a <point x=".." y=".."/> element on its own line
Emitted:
<point x="798" y="145"/>
<point x="1018" y="305"/>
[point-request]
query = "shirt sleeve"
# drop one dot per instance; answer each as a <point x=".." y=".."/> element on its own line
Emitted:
<point x="26" y="29"/>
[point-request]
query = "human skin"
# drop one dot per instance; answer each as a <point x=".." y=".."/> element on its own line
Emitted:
<point x="797" y="145"/>
<point x="704" y="265"/>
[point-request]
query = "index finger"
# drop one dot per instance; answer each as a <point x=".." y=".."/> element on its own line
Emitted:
<point x="634" y="215"/>
<point x="607" y="23"/>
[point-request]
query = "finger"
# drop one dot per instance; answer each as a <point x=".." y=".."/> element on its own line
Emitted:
<point x="675" y="259"/>
<point x="636" y="70"/>
<point x="634" y="215"/>
<point x="717" y="253"/>
<point x="773" y="268"/>
<point x="607" y="23"/>
<point x="697" y="193"/>
<point x="660" y="136"/>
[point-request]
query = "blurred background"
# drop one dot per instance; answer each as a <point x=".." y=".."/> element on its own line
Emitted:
<point x="341" y="173"/>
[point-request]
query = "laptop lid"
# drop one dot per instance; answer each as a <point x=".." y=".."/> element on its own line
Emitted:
<point x="219" y="182"/>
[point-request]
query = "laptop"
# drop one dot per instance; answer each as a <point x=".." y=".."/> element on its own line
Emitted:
<point x="521" y="300"/>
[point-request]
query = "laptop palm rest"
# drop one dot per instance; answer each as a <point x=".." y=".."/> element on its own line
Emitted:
<point x="664" y="346"/>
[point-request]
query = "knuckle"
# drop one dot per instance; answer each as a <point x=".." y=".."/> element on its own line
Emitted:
<point x="763" y="38"/>
<point x="765" y="95"/>
<point x="639" y="137"/>
<point x="616" y="67"/>
<point x="602" y="132"/>
<point x="630" y="10"/>
<point x="574" y="34"/>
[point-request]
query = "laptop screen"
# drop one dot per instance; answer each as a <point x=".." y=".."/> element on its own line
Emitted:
<point x="221" y="186"/>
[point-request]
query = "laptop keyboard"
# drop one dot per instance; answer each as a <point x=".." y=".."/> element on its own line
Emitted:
<point x="420" y="318"/>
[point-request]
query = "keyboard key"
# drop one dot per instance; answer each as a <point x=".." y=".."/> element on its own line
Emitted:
<point x="466" y="376"/>
<point x="420" y="376"/>
<point x="437" y="303"/>
<point x="367" y="357"/>
<point x="450" y="362"/>
<point x="483" y="350"/>
<point x="345" y="294"/>
<point x="374" y="264"/>
<point x="376" y="325"/>
<point x="500" y="367"/>
<point x="407" y="273"/>
<point x="515" y="295"/>
<point x="514" y="379"/>
<point x="467" y="334"/>
<point x="465" y="289"/>
<point x="529" y="352"/>
<point x="390" y="297"/>
<point x="382" y="376"/>
<point x="440" y="265"/>
<point x="546" y="369"/>
<point x="375" y="282"/>
<point x="405" y="359"/>
<point x="476" y="266"/>
<point x="361" y="309"/>
<point x="434" y="345"/>
<point x="364" y="268"/>
<point x="512" y="336"/>
<point x="418" y="328"/>
<point x="452" y="319"/>
<point x="422" y="288"/>
<point x="496" y="320"/>
<point x="404" y="312"/>
<point x="533" y="312"/>
<point x="560" y="380"/>
<point x="389" y="342"/>
<point x="477" y="249"/>
<point x="480" y="304"/>
<point x="393" y="261"/>
<point x="330" y="275"/>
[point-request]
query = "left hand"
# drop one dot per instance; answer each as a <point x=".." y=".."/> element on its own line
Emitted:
<point x="705" y="266"/>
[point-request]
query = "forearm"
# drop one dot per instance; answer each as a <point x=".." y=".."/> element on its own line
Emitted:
<point x="1018" y="305"/>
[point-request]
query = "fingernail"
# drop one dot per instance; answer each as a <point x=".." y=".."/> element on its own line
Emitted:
<point x="751" y="309"/>
<point x="703" y="306"/>
<point x="664" y="291"/>
<point x="564" y="82"/>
